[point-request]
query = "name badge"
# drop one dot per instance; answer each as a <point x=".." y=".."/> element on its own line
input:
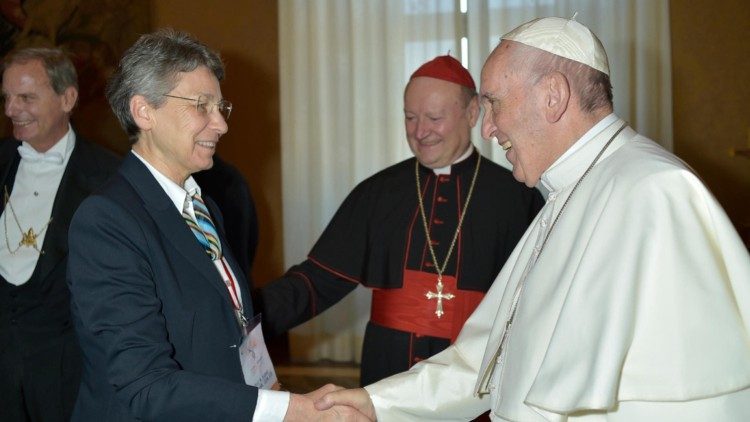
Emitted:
<point x="257" y="367"/>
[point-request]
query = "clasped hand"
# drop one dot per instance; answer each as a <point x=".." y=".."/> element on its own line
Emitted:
<point x="331" y="403"/>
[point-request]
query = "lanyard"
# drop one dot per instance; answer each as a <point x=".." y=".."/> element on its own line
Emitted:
<point x="232" y="288"/>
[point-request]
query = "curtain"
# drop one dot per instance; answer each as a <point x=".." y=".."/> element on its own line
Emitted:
<point x="343" y="67"/>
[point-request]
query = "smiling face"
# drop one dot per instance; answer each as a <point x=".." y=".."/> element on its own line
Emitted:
<point x="437" y="120"/>
<point x="39" y="115"/>
<point x="176" y="138"/>
<point x="513" y="115"/>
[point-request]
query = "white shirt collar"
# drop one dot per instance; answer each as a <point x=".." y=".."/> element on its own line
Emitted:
<point x="465" y="155"/>
<point x="548" y="177"/>
<point x="176" y="193"/>
<point x="62" y="148"/>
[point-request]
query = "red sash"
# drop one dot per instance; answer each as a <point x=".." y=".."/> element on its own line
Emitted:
<point x="408" y="309"/>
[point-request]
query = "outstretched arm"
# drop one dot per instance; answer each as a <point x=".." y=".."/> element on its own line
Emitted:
<point x="302" y="293"/>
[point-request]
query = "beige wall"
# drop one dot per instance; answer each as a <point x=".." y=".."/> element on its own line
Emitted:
<point x="711" y="89"/>
<point x="245" y="32"/>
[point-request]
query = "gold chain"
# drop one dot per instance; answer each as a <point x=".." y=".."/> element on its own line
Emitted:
<point x="28" y="238"/>
<point x="439" y="268"/>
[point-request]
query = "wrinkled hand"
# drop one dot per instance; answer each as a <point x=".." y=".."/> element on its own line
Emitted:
<point x="302" y="408"/>
<point x="354" y="398"/>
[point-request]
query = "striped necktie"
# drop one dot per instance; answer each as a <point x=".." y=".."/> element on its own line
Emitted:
<point x="203" y="228"/>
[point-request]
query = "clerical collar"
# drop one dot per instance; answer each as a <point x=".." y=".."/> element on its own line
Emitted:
<point x="464" y="156"/>
<point x="566" y="169"/>
<point x="175" y="192"/>
<point x="589" y="135"/>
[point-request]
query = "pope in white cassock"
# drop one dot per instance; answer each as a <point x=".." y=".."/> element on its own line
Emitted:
<point x="628" y="299"/>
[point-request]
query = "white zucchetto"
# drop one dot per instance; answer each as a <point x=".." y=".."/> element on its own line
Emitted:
<point x="562" y="37"/>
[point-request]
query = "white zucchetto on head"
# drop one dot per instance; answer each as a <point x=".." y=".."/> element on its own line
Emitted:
<point x="562" y="37"/>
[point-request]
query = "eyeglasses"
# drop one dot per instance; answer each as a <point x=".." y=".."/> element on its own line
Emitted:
<point x="206" y="107"/>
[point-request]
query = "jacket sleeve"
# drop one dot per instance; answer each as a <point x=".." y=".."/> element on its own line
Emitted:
<point x="302" y="293"/>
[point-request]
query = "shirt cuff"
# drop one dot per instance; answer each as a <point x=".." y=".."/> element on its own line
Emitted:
<point x="271" y="406"/>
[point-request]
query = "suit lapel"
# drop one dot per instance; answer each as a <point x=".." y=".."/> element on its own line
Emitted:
<point x="72" y="191"/>
<point x="9" y="160"/>
<point x="170" y="223"/>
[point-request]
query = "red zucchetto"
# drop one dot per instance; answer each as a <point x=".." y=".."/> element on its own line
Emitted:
<point x="448" y="69"/>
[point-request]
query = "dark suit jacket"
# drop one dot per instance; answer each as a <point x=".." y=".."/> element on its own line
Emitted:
<point x="154" y="319"/>
<point x="37" y="313"/>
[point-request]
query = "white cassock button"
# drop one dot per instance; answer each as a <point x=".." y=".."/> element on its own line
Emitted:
<point x="543" y="223"/>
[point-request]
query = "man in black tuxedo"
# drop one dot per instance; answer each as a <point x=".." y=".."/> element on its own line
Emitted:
<point x="45" y="172"/>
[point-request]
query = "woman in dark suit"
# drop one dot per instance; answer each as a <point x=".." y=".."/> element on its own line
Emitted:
<point x="159" y="302"/>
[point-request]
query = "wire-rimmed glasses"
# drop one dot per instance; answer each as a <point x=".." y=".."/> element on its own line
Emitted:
<point x="204" y="106"/>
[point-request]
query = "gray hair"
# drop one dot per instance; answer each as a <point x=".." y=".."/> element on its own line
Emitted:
<point x="151" y="68"/>
<point x="593" y="87"/>
<point x="468" y="94"/>
<point x="60" y="70"/>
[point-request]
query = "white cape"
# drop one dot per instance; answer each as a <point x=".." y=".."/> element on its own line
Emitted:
<point x="638" y="307"/>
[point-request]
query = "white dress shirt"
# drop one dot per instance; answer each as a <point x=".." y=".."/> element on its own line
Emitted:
<point x="30" y="206"/>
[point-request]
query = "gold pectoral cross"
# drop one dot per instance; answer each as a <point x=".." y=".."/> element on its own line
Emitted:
<point x="439" y="296"/>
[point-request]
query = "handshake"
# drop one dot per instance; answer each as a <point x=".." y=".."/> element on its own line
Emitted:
<point x="331" y="403"/>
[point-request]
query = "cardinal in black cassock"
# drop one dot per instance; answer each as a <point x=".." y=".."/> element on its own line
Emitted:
<point x="472" y="211"/>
